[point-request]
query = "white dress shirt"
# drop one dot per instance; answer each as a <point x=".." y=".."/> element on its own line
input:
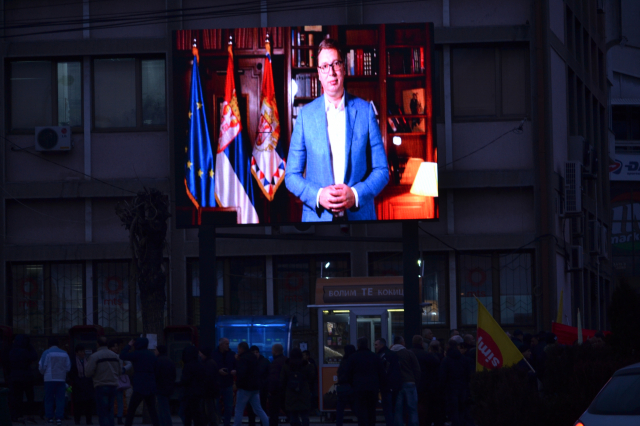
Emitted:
<point x="337" y="134"/>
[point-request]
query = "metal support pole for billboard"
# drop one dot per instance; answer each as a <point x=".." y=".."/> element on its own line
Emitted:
<point x="410" y="256"/>
<point x="208" y="280"/>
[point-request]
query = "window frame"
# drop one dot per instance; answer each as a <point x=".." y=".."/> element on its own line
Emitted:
<point x="498" y="115"/>
<point x="48" y="306"/>
<point x="495" y="287"/>
<point x="54" y="93"/>
<point x="138" y="96"/>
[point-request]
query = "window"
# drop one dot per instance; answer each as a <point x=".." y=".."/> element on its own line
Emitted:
<point x="502" y="282"/>
<point x="626" y="122"/>
<point x="489" y="82"/>
<point x="45" y="93"/>
<point x="193" y="293"/>
<point x="114" y="296"/>
<point x="129" y="93"/>
<point x="48" y="298"/>
<point x="294" y="279"/>
<point x="433" y="271"/>
<point x="385" y="264"/>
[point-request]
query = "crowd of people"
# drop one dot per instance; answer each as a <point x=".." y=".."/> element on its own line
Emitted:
<point x="425" y="383"/>
<point x="416" y="385"/>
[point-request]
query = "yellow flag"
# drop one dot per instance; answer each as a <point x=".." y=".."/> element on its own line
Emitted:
<point x="494" y="349"/>
<point x="560" y="306"/>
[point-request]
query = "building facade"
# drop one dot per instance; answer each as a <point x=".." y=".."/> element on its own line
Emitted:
<point x="522" y="131"/>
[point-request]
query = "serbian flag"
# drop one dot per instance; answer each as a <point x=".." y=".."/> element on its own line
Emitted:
<point x="198" y="168"/>
<point x="233" y="176"/>
<point x="494" y="349"/>
<point x="267" y="164"/>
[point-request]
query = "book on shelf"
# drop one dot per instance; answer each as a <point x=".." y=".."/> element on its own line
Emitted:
<point x="413" y="102"/>
<point x="400" y="124"/>
<point x="308" y="85"/>
<point x="361" y="62"/>
<point x="405" y="61"/>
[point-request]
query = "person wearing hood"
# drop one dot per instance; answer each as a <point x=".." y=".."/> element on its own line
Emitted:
<point x="20" y="376"/>
<point x="296" y="378"/>
<point x="165" y="382"/>
<point x="344" y="390"/>
<point x="454" y="378"/>
<point x="144" y="378"/>
<point x="248" y="384"/>
<point x="410" y="373"/>
<point x="192" y="383"/>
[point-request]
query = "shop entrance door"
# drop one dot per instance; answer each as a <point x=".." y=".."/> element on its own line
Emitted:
<point x="370" y="323"/>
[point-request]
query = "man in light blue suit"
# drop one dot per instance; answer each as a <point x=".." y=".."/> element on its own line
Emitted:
<point x="337" y="163"/>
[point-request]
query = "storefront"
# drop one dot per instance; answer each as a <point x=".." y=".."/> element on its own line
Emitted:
<point x="349" y="308"/>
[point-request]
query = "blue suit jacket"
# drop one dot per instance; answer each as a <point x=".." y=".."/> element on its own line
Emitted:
<point x="366" y="167"/>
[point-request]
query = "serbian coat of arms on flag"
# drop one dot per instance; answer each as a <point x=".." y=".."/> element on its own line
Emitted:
<point x="267" y="165"/>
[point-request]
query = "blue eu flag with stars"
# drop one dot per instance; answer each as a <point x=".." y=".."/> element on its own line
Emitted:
<point x="199" y="162"/>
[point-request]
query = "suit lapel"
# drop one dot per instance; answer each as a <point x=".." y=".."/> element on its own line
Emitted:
<point x="350" y="118"/>
<point x="323" y="137"/>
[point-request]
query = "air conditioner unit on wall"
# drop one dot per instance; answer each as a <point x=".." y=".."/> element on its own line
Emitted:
<point x="576" y="260"/>
<point x="53" y="138"/>
<point x="572" y="188"/>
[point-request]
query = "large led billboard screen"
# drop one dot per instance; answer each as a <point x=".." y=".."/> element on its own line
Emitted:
<point x="322" y="123"/>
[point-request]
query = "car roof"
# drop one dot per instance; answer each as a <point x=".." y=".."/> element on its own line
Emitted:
<point x="630" y="369"/>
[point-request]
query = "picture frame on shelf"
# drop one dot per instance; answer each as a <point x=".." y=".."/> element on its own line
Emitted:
<point x="413" y="102"/>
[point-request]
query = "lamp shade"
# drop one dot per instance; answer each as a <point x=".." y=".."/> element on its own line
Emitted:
<point x="426" y="181"/>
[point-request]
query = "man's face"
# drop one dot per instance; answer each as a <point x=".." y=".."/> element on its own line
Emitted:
<point x="257" y="354"/>
<point x="224" y="345"/>
<point x="80" y="354"/>
<point x="333" y="81"/>
<point x="240" y="350"/>
<point x="428" y="335"/>
<point x="377" y="345"/>
<point x="305" y="356"/>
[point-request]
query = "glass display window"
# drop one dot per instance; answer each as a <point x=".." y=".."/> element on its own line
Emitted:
<point x="336" y="334"/>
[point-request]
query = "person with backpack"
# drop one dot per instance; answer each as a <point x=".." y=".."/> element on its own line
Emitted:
<point x="391" y="380"/>
<point x="248" y="384"/>
<point x="295" y="378"/>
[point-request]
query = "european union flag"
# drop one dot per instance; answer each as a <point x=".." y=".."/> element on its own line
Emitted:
<point x="199" y="166"/>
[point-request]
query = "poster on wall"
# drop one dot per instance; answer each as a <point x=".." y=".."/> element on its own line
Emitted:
<point x="256" y="142"/>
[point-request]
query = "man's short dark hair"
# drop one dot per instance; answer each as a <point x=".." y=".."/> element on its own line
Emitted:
<point x="382" y="341"/>
<point x="244" y="346"/>
<point x="363" y="343"/>
<point x="102" y="341"/>
<point x="53" y="341"/>
<point x="254" y="348"/>
<point x="397" y="339"/>
<point x="330" y="44"/>
<point x="79" y="348"/>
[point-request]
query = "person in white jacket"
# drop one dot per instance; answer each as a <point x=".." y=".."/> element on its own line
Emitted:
<point x="54" y="366"/>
